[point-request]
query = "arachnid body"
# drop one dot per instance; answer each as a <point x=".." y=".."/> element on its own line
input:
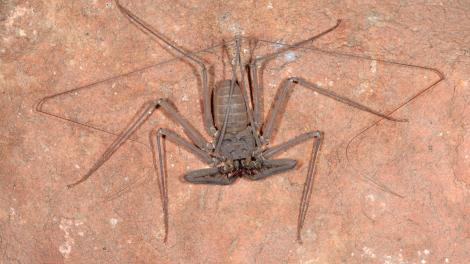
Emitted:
<point x="232" y="117"/>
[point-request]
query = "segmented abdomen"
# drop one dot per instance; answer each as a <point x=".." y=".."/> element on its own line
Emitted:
<point x="238" y="119"/>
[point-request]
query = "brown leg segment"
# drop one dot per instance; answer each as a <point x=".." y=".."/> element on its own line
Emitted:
<point x="282" y="99"/>
<point x="139" y="119"/>
<point x="307" y="190"/>
<point x="270" y="123"/>
<point x="148" y="29"/>
<point x="268" y="153"/>
<point x="162" y="176"/>
<point x="254" y="71"/>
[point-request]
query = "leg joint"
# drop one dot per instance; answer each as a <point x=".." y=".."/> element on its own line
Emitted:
<point x="159" y="101"/>
<point x="314" y="134"/>
<point x="161" y="132"/>
<point x="318" y="134"/>
<point x="293" y="79"/>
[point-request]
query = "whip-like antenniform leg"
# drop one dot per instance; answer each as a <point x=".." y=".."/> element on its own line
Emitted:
<point x="206" y="94"/>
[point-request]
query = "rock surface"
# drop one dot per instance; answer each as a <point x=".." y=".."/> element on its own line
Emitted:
<point x="386" y="192"/>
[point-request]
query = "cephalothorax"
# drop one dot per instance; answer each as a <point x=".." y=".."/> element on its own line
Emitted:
<point x="232" y="117"/>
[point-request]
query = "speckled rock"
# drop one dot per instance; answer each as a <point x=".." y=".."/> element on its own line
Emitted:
<point x="384" y="192"/>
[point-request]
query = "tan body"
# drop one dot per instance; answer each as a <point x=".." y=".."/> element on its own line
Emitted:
<point x="238" y="119"/>
<point x="238" y="141"/>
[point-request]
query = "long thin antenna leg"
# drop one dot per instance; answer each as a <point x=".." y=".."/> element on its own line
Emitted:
<point x="244" y="84"/>
<point x="148" y="29"/>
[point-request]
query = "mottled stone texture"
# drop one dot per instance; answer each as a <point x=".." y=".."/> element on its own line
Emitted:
<point x="396" y="193"/>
